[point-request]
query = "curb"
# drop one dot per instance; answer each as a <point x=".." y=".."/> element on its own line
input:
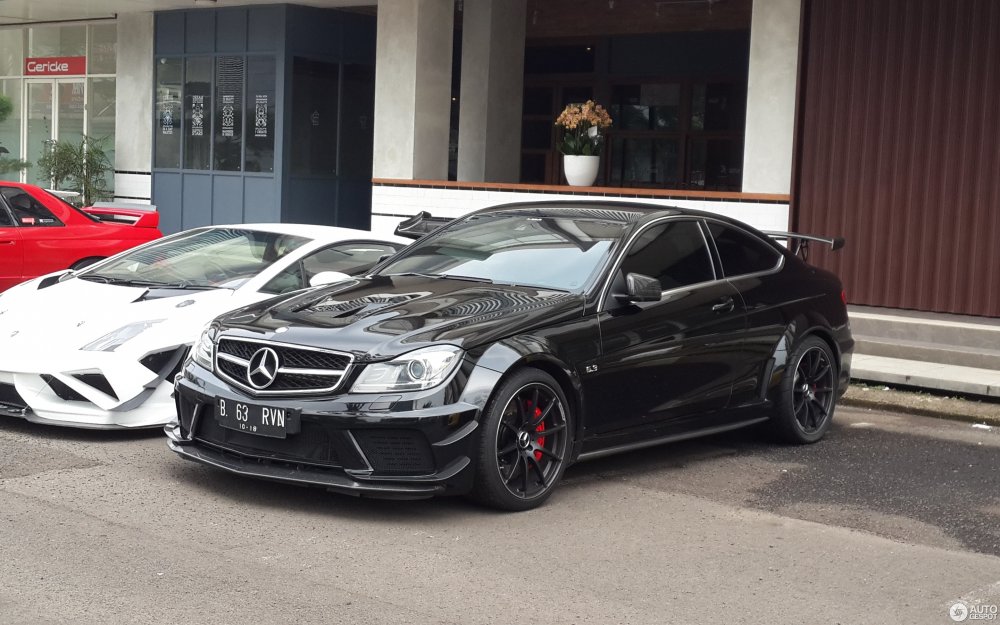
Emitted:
<point x="921" y="403"/>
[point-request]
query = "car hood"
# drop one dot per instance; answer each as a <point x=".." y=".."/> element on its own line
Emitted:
<point x="380" y="318"/>
<point x="72" y="313"/>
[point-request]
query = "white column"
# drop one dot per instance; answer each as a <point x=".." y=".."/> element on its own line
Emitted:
<point x="489" y="121"/>
<point x="134" y="106"/>
<point x="774" y="52"/>
<point x="413" y="89"/>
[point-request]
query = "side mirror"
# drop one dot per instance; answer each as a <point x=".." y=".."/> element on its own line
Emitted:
<point x="328" y="277"/>
<point x="643" y="288"/>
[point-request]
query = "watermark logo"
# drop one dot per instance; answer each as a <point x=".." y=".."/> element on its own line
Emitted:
<point x="961" y="612"/>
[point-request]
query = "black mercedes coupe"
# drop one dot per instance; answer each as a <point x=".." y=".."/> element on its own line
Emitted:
<point x="501" y="348"/>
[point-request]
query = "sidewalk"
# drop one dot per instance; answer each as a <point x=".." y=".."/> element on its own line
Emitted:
<point x="880" y="397"/>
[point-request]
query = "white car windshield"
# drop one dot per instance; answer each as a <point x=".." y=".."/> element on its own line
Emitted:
<point x="202" y="258"/>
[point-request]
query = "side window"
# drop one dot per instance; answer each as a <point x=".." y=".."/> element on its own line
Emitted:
<point x="350" y="258"/>
<point x="674" y="253"/>
<point x="5" y="219"/>
<point x="742" y="253"/>
<point x="27" y="210"/>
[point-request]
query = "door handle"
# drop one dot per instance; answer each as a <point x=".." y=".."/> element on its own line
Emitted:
<point x="6" y="242"/>
<point x="725" y="304"/>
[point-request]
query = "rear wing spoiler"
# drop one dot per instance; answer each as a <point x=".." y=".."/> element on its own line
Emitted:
<point x="138" y="217"/>
<point x="420" y="225"/>
<point x="799" y="243"/>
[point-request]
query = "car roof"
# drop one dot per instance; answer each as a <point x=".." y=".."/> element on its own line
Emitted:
<point x="610" y="210"/>
<point x="312" y="231"/>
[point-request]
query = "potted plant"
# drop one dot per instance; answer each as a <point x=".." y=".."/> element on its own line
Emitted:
<point x="582" y="125"/>
<point x="82" y="167"/>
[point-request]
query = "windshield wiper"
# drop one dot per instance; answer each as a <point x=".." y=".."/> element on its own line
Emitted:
<point x="149" y="284"/>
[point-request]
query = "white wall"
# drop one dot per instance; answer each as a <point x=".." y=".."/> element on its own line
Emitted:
<point x="392" y="204"/>
<point x="774" y="50"/>
<point x="134" y="107"/>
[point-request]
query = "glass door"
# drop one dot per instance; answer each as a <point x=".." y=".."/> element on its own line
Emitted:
<point x="55" y="112"/>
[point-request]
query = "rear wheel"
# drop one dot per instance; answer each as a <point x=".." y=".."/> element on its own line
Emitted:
<point x="525" y="442"/>
<point x="808" y="393"/>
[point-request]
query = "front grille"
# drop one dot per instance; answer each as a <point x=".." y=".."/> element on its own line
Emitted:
<point x="396" y="452"/>
<point x="62" y="391"/>
<point x="98" y="381"/>
<point x="300" y="370"/>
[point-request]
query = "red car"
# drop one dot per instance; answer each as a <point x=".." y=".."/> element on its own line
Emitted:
<point x="41" y="233"/>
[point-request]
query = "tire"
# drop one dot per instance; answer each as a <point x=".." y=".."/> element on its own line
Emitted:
<point x="808" y="394"/>
<point x="86" y="262"/>
<point x="525" y="442"/>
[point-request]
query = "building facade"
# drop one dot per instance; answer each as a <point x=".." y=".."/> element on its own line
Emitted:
<point x="872" y="120"/>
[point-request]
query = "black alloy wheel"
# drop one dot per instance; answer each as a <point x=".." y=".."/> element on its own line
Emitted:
<point x="808" y="393"/>
<point x="525" y="442"/>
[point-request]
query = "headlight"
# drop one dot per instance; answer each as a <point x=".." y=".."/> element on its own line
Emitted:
<point x="113" y="340"/>
<point x="203" y="348"/>
<point x="414" y="371"/>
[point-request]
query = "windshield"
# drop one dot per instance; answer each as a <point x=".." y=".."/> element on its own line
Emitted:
<point x="516" y="247"/>
<point x="207" y="258"/>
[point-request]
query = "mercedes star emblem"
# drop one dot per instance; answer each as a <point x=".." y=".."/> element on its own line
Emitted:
<point x="262" y="368"/>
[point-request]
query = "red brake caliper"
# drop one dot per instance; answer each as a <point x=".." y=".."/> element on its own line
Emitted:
<point x="540" y="428"/>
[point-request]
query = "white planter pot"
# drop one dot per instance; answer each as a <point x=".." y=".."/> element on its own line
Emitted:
<point x="581" y="171"/>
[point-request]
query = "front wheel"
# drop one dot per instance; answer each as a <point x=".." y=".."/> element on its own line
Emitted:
<point x="808" y="393"/>
<point x="524" y="444"/>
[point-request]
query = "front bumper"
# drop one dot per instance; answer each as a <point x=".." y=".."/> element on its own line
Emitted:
<point x="401" y="447"/>
<point x="106" y="392"/>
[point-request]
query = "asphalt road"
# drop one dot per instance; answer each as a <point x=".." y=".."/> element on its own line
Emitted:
<point x="890" y="520"/>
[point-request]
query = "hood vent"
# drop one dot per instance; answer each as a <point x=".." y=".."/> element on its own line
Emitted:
<point x="351" y="307"/>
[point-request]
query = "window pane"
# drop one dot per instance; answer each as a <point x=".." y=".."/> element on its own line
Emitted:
<point x="197" y="117"/>
<point x="718" y="106"/>
<point x="229" y="113"/>
<point x="674" y="253"/>
<point x="168" y="113"/>
<point x="536" y="134"/>
<point x="646" y="107"/>
<point x="40" y="103"/>
<point x="741" y="253"/>
<point x="314" y="117"/>
<point x="10" y="129"/>
<point x="537" y="101"/>
<point x="27" y="210"/>
<point x="11" y="52"/>
<point x="101" y="119"/>
<point x="260" y="125"/>
<point x="558" y="59"/>
<point x="103" y="49"/>
<point x="57" y="41"/>
<point x="717" y="164"/>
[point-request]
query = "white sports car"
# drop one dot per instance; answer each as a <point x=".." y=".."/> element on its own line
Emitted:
<point x="99" y="347"/>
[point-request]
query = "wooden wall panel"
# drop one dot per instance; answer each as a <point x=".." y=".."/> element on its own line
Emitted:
<point x="897" y="149"/>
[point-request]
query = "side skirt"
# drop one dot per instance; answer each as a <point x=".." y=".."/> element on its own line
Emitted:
<point x="670" y="438"/>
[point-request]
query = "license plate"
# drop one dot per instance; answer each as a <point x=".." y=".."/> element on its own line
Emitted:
<point x="256" y="418"/>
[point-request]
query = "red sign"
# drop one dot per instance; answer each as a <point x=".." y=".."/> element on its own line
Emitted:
<point x="55" y="66"/>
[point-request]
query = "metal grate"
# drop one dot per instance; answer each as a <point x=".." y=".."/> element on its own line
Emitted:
<point x="396" y="452"/>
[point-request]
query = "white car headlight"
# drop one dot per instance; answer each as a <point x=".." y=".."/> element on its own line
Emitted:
<point x="113" y="340"/>
<point x="204" y="348"/>
<point x="414" y="371"/>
